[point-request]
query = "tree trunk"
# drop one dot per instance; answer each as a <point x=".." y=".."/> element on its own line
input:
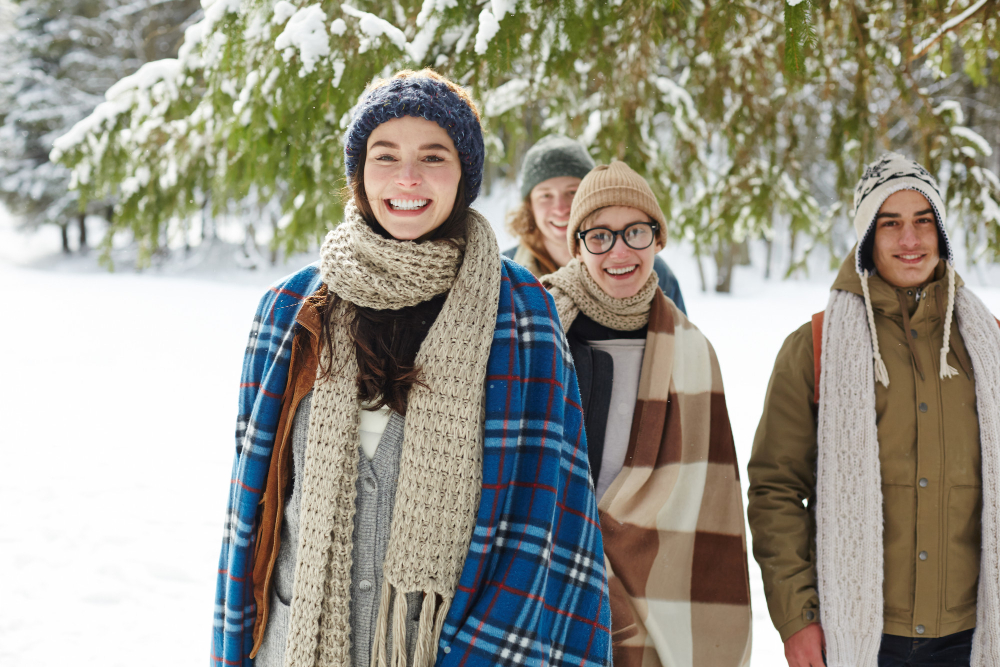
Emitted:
<point x="701" y="270"/>
<point x="767" y="262"/>
<point x="82" y="223"/>
<point x="725" y="259"/>
<point x="64" y="228"/>
<point x="791" y="252"/>
<point x="274" y="240"/>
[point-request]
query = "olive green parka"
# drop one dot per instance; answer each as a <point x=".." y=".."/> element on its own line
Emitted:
<point x="928" y="434"/>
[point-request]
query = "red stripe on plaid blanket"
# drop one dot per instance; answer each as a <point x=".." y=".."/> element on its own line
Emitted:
<point x="248" y="488"/>
<point x="281" y="290"/>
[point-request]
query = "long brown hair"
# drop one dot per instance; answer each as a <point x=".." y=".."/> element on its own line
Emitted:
<point x="521" y="223"/>
<point x="386" y="342"/>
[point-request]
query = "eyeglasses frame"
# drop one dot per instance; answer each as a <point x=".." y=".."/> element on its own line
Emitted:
<point x="653" y="226"/>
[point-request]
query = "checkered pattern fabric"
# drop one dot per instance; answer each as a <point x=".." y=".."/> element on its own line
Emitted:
<point x="673" y="518"/>
<point x="533" y="590"/>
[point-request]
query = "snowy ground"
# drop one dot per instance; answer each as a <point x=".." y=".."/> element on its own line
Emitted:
<point x="119" y="405"/>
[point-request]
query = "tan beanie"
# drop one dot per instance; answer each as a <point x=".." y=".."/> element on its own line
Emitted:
<point x="612" y="184"/>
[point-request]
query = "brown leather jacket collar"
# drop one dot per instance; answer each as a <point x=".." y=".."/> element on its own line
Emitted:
<point x="301" y="377"/>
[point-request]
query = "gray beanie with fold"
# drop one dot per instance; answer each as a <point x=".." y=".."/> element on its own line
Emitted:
<point x="553" y="156"/>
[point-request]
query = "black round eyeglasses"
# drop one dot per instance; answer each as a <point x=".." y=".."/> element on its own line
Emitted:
<point x="637" y="235"/>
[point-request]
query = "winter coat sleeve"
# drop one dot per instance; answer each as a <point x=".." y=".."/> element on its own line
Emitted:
<point x="668" y="282"/>
<point x="782" y="474"/>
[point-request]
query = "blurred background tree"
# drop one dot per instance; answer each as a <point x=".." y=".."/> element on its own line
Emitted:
<point x="59" y="57"/>
<point x="752" y="120"/>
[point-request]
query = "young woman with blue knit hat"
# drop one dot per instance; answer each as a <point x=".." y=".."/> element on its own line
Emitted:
<point x="875" y="472"/>
<point x="411" y="483"/>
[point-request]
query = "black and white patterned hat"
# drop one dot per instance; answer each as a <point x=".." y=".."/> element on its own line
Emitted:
<point x="889" y="174"/>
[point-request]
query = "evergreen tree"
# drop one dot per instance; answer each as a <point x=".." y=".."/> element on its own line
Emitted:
<point x="735" y="112"/>
<point x="60" y="58"/>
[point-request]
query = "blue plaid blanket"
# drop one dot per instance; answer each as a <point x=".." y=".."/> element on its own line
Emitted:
<point x="533" y="590"/>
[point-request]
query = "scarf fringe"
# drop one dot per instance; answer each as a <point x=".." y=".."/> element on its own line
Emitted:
<point x="399" y="610"/>
<point x="424" y="653"/>
<point x="378" y="656"/>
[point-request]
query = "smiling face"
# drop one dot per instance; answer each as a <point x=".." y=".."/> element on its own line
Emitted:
<point x="411" y="176"/>
<point x="550" y="204"/>
<point x="905" y="251"/>
<point x="622" y="271"/>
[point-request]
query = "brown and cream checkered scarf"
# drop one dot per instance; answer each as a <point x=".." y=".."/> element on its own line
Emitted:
<point x="672" y="520"/>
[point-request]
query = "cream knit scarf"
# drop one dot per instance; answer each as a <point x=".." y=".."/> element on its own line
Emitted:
<point x="849" y="550"/>
<point x="437" y="494"/>
<point x="574" y="291"/>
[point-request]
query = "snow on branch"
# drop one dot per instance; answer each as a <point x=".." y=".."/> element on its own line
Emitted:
<point x="973" y="138"/>
<point x="489" y="26"/>
<point x="924" y="46"/>
<point x="120" y="99"/>
<point x="374" y="27"/>
<point x="305" y="32"/>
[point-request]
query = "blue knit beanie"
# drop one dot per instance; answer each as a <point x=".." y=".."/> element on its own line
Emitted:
<point x="425" y="98"/>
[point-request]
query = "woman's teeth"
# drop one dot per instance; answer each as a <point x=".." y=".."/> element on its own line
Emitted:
<point x="622" y="270"/>
<point x="407" y="204"/>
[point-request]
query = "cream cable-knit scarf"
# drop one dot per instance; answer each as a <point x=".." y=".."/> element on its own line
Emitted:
<point x="574" y="291"/>
<point x="437" y="494"/>
<point x="849" y="547"/>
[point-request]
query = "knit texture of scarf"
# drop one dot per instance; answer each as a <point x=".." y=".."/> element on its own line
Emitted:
<point x="849" y="547"/>
<point x="440" y="475"/>
<point x="574" y="291"/>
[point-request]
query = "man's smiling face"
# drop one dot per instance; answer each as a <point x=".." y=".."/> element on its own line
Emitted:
<point x="906" y="251"/>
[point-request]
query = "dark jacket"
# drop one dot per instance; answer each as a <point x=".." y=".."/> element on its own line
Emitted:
<point x="595" y="397"/>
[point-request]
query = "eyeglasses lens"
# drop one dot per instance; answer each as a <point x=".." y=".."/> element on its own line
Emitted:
<point x="637" y="237"/>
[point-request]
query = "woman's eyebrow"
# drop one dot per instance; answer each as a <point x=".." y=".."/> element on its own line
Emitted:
<point x="434" y="147"/>
<point x="384" y="143"/>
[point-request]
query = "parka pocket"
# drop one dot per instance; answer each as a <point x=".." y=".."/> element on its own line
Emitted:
<point x="964" y="531"/>
<point x="899" y="538"/>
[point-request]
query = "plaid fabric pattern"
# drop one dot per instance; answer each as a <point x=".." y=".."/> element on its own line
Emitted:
<point x="673" y="518"/>
<point x="533" y="590"/>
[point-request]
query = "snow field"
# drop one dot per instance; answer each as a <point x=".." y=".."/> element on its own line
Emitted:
<point x="119" y="409"/>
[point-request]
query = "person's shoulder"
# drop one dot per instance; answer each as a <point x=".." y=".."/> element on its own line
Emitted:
<point x="524" y="297"/>
<point x="300" y="284"/>
<point x="797" y="350"/>
<point x="284" y="295"/>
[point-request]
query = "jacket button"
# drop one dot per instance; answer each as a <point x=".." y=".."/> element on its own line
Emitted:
<point x="920" y="629"/>
<point x="365" y="585"/>
<point x="369" y="484"/>
<point x="923" y="407"/>
<point x="923" y="555"/>
<point x="922" y="482"/>
<point x="810" y="615"/>
<point x="447" y="649"/>
<point x="913" y="333"/>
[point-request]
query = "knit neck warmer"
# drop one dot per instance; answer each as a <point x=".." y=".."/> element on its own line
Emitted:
<point x="440" y="475"/>
<point x="361" y="266"/>
<point x="574" y="291"/>
<point x="849" y="542"/>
